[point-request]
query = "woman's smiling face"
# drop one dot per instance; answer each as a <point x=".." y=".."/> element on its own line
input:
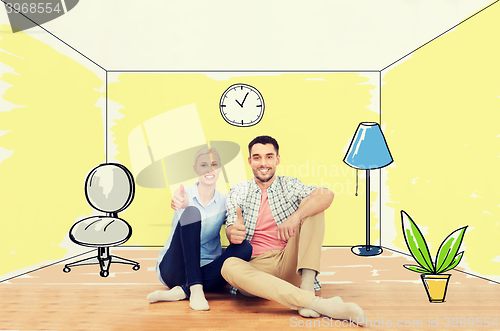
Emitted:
<point x="208" y="168"/>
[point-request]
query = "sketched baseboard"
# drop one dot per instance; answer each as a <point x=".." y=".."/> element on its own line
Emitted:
<point x="160" y="246"/>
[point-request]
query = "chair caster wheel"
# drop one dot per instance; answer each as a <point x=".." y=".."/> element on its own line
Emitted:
<point x="136" y="267"/>
<point x="104" y="273"/>
<point x="66" y="269"/>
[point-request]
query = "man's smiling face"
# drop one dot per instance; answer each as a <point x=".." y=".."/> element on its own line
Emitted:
<point x="263" y="161"/>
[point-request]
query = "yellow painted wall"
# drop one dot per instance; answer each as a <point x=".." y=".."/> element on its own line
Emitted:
<point x="313" y="116"/>
<point x="440" y="109"/>
<point x="440" y="118"/>
<point x="55" y="136"/>
<point x="442" y="113"/>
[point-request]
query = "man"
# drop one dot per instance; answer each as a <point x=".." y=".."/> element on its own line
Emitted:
<point x="283" y="219"/>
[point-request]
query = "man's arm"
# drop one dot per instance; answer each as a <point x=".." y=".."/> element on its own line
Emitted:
<point x="319" y="200"/>
<point x="235" y="233"/>
<point x="228" y="232"/>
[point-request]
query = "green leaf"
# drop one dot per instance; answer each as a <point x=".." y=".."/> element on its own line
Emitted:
<point x="416" y="242"/>
<point x="455" y="262"/>
<point x="448" y="249"/>
<point x="417" y="269"/>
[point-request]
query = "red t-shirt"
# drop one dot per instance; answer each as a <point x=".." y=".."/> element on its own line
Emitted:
<point x="265" y="236"/>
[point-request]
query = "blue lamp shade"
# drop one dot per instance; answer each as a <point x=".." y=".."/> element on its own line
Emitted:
<point x="368" y="149"/>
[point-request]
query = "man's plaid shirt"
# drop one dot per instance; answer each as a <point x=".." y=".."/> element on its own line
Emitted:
<point x="285" y="195"/>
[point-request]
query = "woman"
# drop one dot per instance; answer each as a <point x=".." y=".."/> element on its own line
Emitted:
<point x="191" y="260"/>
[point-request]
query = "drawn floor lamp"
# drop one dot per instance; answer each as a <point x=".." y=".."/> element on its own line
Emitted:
<point x="368" y="151"/>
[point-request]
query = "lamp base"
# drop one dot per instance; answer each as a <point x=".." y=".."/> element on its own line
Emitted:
<point x="364" y="250"/>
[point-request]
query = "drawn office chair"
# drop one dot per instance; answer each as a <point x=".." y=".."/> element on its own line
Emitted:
<point x="109" y="188"/>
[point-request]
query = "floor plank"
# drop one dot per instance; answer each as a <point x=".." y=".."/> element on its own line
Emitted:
<point x="49" y="299"/>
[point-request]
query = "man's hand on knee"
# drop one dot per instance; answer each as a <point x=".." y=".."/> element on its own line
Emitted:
<point x="287" y="229"/>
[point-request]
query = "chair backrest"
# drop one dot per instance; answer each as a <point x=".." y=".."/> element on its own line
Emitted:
<point x="110" y="188"/>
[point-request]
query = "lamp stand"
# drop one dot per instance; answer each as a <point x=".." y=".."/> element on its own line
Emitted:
<point x="367" y="250"/>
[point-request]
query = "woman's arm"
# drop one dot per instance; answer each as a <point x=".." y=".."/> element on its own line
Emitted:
<point x="235" y="225"/>
<point x="180" y="199"/>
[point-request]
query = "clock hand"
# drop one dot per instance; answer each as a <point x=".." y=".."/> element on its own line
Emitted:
<point x="246" y="95"/>
<point x="241" y="104"/>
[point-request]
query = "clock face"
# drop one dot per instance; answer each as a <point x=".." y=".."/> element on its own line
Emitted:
<point x="242" y="105"/>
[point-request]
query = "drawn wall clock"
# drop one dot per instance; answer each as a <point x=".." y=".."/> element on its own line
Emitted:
<point x="242" y="105"/>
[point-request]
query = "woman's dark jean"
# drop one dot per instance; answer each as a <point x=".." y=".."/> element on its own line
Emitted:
<point x="180" y="265"/>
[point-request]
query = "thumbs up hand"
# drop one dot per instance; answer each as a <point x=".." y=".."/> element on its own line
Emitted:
<point x="237" y="233"/>
<point x="180" y="199"/>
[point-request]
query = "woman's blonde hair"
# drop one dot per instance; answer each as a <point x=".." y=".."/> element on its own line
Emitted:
<point x="205" y="150"/>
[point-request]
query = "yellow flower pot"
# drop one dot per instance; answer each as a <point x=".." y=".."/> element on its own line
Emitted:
<point x="436" y="286"/>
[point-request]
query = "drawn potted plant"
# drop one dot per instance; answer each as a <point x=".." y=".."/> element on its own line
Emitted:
<point x="447" y="258"/>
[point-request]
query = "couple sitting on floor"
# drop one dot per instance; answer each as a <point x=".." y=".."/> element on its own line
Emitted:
<point x="275" y="225"/>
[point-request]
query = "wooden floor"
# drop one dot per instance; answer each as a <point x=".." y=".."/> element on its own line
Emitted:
<point x="391" y="296"/>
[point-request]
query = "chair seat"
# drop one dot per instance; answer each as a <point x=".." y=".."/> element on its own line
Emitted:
<point x="100" y="231"/>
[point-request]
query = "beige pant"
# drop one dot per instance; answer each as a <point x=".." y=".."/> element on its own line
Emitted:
<point x="275" y="275"/>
